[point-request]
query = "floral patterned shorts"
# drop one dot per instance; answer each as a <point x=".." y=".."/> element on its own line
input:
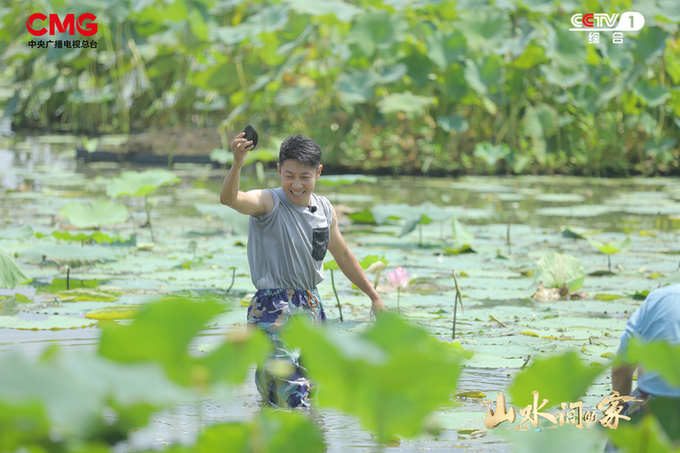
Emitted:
<point x="283" y="381"/>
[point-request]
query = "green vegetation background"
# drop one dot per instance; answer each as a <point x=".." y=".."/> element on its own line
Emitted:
<point x="437" y="86"/>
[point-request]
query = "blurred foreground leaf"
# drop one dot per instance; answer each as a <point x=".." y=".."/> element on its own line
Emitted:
<point x="391" y="376"/>
<point x="559" y="379"/>
<point x="658" y="356"/>
<point x="162" y="332"/>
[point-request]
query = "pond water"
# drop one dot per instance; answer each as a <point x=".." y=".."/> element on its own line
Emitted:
<point x="39" y="176"/>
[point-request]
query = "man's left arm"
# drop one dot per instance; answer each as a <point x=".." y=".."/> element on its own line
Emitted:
<point x="349" y="265"/>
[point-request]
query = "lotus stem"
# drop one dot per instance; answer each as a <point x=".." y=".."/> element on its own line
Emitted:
<point x="459" y="297"/>
<point x="147" y="208"/>
<point x="507" y="238"/>
<point x="609" y="261"/>
<point x="337" y="299"/>
<point x="68" y="278"/>
<point x="420" y="232"/>
<point x="398" y="294"/>
<point x="233" y="277"/>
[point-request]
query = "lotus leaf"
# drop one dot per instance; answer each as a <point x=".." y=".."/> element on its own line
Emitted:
<point x="377" y="29"/>
<point x="70" y="255"/>
<point x="50" y="323"/>
<point x="16" y="233"/>
<point x="485" y="29"/>
<point x="123" y="312"/>
<point x="231" y="217"/>
<point x="446" y="49"/>
<point x="366" y="375"/>
<point x="611" y="247"/>
<point x="10" y="274"/>
<point x="344" y="180"/>
<point x="491" y="154"/>
<point x="453" y="123"/>
<point x="274" y="431"/>
<point x="647" y="435"/>
<point x="161" y="333"/>
<point x="461" y="235"/>
<point x="559" y="379"/>
<point x="356" y="87"/>
<point x="556" y="270"/>
<point x="85" y="236"/>
<point x="87" y="294"/>
<point x="405" y="102"/>
<point x="659" y="357"/>
<point x="343" y="11"/>
<point x="140" y="184"/>
<point x="134" y="392"/>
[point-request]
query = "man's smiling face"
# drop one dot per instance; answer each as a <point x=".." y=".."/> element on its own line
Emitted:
<point x="298" y="180"/>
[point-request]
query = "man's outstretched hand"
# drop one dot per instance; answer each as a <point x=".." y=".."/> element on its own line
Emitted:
<point x="378" y="307"/>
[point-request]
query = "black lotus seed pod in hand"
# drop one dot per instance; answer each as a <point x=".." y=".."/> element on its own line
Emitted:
<point x="251" y="134"/>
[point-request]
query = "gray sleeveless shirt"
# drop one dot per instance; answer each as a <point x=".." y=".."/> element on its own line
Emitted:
<point x="287" y="245"/>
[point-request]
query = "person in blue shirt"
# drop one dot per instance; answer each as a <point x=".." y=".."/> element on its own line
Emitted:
<point x="657" y="319"/>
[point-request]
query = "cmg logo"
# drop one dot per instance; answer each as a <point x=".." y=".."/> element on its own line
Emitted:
<point x="69" y="24"/>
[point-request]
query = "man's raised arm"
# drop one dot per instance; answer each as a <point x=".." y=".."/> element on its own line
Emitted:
<point x="253" y="202"/>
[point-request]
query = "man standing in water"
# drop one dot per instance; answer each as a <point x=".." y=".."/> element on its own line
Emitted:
<point x="289" y="231"/>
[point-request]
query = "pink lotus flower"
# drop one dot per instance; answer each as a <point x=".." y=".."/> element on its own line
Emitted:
<point x="399" y="278"/>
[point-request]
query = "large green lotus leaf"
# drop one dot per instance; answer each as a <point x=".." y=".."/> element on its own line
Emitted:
<point x="658" y="357"/>
<point x="455" y="81"/>
<point x="491" y="154"/>
<point x="364" y="216"/>
<point x="10" y="274"/>
<point x="384" y="212"/>
<point x="70" y="255"/>
<point x="653" y="96"/>
<point x="446" y="49"/>
<point x="356" y="87"/>
<point x="566" y="47"/>
<point x="419" y="68"/>
<point x="405" y="102"/>
<point x="50" y="323"/>
<point x="559" y="379"/>
<point x="485" y="29"/>
<point x="95" y="215"/>
<point x="16" y="233"/>
<point x="294" y="95"/>
<point x="161" y="333"/>
<point x="391" y="74"/>
<point x="556" y="269"/>
<point x="650" y="43"/>
<point x="222" y="77"/>
<point x="270" y="431"/>
<point x="647" y="435"/>
<point x="345" y="180"/>
<point x="228" y="36"/>
<point x="372" y="375"/>
<point x="461" y="235"/>
<point x="540" y="121"/>
<point x="229" y="216"/>
<point x="344" y="12"/>
<point x="377" y="29"/>
<point x="140" y="184"/>
<point x="76" y="390"/>
<point x="612" y="247"/>
<point x="453" y="123"/>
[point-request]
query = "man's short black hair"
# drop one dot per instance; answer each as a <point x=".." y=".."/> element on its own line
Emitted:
<point x="301" y="148"/>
